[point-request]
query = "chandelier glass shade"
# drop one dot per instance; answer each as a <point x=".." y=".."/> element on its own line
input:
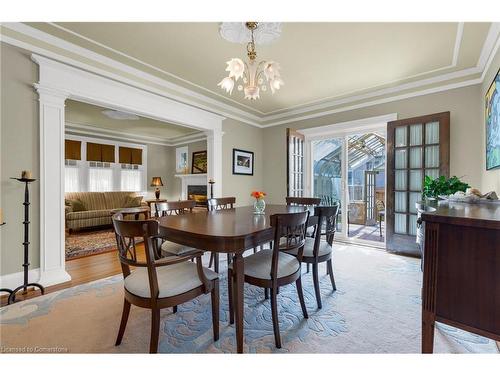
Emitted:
<point x="255" y="76"/>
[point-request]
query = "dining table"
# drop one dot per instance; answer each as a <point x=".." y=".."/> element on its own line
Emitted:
<point x="230" y="231"/>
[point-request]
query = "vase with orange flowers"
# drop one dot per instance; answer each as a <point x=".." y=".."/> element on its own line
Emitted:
<point x="259" y="205"/>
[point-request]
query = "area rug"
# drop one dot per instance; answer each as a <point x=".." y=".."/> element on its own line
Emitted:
<point x="89" y="242"/>
<point x="376" y="309"/>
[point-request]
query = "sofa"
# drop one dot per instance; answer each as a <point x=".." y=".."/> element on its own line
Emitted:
<point x="91" y="209"/>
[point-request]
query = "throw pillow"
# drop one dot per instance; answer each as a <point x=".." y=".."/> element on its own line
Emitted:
<point x="75" y="204"/>
<point x="133" y="201"/>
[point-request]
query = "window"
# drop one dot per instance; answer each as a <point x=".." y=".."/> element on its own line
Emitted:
<point x="100" y="176"/>
<point x="71" y="176"/>
<point x="131" y="177"/>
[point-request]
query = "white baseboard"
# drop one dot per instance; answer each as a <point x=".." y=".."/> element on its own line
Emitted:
<point x="47" y="278"/>
<point x="13" y="280"/>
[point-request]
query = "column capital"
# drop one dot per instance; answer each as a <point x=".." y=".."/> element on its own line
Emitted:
<point x="51" y="95"/>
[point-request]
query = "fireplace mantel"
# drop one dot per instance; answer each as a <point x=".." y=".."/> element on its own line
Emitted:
<point x="191" y="179"/>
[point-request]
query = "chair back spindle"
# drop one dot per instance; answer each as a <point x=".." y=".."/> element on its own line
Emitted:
<point x="226" y="203"/>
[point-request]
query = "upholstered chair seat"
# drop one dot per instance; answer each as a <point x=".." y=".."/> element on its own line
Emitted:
<point x="324" y="249"/>
<point x="258" y="265"/>
<point x="172" y="280"/>
<point x="172" y="248"/>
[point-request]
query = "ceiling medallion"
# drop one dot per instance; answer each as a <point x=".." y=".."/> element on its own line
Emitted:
<point x="255" y="75"/>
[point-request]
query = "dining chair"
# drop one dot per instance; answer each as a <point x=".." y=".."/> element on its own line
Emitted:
<point x="174" y="208"/>
<point x="271" y="269"/>
<point x="307" y="202"/>
<point x="317" y="251"/>
<point x="159" y="282"/>
<point x="215" y="204"/>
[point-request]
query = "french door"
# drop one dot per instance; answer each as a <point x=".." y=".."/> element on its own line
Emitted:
<point x="416" y="147"/>
<point x="295" y="142"/>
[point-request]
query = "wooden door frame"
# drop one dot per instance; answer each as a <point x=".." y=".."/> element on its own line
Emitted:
<point x="444" y="160"/>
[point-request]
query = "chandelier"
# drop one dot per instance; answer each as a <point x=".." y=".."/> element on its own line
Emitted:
<point x="256" y="76"/>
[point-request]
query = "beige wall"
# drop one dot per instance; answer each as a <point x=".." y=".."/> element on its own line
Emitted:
<point x="467" y="138"/>
<point x="490" y="180"/>
<point x="19" y="150"/>
<point x="248" y="138"/>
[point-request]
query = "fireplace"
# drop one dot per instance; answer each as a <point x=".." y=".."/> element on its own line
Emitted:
<point x="197" y="193"/>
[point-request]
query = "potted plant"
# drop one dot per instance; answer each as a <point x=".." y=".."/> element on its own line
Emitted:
<point x="442" y="186"/>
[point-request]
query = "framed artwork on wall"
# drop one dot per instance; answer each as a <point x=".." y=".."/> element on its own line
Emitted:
<point x="199" y="164"/>
<point x="492" y="119"/>
<point x="243" y="162"/>
<point x="181" y="159"/>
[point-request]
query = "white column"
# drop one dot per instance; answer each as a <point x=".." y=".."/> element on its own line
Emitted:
<point x="214" y="160"/>
<point x="52" y="246"/>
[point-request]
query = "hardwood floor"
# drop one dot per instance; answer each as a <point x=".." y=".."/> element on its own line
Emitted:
<point x="83" y="270"/>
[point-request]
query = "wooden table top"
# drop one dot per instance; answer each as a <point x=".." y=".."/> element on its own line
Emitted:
<point x="230" y="230"/>
<point x="484" y="214"/>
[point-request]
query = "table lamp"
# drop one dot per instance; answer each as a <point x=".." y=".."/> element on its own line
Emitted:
<point x="156" y="182"/>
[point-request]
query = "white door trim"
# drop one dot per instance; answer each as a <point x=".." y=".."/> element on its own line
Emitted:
<point x="58" y="82"/>
<point x="342" y="130"/>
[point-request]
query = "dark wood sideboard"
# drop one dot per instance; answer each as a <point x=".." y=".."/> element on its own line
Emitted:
<point x="461" y="281"/>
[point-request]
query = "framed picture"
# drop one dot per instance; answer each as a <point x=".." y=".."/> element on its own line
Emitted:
<point x="242" y="162"/>
<point x="181" y="159"/>
<point x="199" y="164"/>
<point x="492" y="119"/>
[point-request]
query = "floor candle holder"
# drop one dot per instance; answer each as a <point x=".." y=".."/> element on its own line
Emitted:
<point x="26" y="284"/>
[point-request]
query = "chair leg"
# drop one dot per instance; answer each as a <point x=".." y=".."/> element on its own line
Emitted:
<point x="298" y="284"/>
<point x="266" y="293"/>
<point x="230" y="295"/>
<point x="274" y="310"/>
<point x="307" y="268"/>
<point x="215" y="309"/>
<point x="174" y="309"/>
<point x="316" y="285"/>
<point x="211" y="261"/>
<point x="254" y="250"/>
<point x="155" y="330"/>
<point x="123" y="324"/>
<point x="330" y="272"/>
<point x="216" y="262"/>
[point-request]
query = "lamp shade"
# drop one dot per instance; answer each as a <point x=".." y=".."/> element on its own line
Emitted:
<point x="156" y="181"/>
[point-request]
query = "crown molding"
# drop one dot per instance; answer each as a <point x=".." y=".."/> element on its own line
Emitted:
<point x="174" y="86"/>
<point x="91" y="130"/>
<point x="190" y="97"/>
<point x="206" y="103"/>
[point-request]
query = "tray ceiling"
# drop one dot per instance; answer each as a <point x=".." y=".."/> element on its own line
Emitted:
<point x="320" y="61"/>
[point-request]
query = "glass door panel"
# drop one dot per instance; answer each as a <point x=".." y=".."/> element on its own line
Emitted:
<point x="327" y="169"/>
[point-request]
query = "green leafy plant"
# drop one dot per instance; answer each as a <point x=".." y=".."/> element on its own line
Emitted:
<point x="442" y="186"/>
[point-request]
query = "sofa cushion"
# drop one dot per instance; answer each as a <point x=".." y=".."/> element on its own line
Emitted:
<point x="76" y="205"/>
<point x="131" y="201"/>
<point x="87" y="214"/>
<point x="91" y="200"/>
<point x="116" y="199"/>
<point x="172" y="280"/>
